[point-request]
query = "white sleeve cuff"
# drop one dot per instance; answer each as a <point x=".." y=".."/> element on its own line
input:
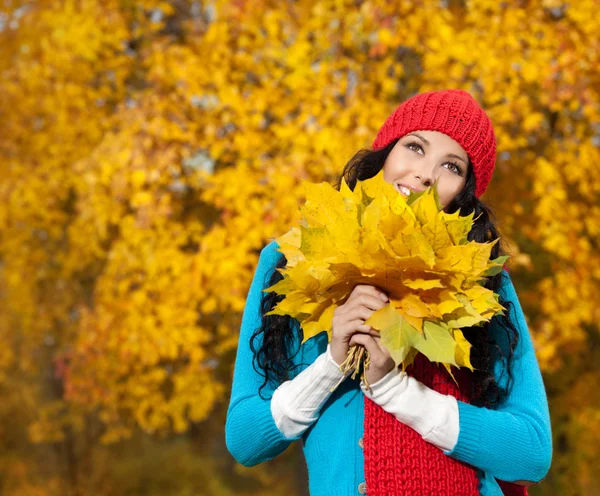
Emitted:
<point x="433" y="415"/>
<point x="296" y="403"/>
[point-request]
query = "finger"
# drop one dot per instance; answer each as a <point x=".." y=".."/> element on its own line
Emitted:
<point x="356" y="327"/>
<point x="372" y="332"/>
<point x="358" y="312"/>
<point x="344" y="326"/>
<point x="371" y="346"/>
<point x="368" y="290"/>
<point x="372" y="302"/>
<point x="362" y="308"/>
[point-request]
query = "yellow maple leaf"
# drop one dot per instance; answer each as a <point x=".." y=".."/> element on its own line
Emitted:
<point x="410" y="248"/>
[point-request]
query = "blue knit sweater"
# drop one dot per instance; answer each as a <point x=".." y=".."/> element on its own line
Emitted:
<point x="512" y="442"/>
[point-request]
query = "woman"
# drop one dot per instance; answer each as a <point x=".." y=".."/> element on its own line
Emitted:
<point x="413" y="432"/>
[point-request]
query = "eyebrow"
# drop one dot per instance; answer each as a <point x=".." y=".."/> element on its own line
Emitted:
<point x="452" y="155"/>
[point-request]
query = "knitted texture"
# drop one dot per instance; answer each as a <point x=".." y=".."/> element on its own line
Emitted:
<point x="452" y="112"/>
<point x="398" y="461"/>
<point x="510" y="489"/>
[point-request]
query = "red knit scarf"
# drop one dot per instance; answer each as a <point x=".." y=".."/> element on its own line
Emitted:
<point x="399" y="462"/>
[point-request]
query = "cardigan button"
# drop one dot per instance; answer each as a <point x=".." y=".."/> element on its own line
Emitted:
<point x="361" y="443"/>
<point x="362" y="488"/>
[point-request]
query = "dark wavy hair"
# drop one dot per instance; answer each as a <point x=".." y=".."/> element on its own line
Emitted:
<point x="273" y="357"/>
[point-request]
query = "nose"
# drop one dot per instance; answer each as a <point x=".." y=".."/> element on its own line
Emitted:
<point x="424" y="172"/>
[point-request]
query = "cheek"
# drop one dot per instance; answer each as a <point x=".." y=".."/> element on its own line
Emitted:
<point x="388" y="169"/>
<point x="395" y="163"/>
<point x="448" y="189"/>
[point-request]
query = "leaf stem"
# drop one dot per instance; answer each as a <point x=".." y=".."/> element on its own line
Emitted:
<point x="357" y="356"/>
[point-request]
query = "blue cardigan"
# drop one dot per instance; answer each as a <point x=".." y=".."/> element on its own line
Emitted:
<point x="512" y="442"/>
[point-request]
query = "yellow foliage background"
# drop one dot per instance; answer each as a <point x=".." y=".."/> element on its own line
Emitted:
<point x="150" y="149"/>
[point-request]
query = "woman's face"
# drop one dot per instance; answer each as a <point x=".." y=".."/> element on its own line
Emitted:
<point x="420" y="158"/>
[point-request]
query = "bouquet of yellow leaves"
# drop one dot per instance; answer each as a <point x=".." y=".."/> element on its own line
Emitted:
<point x="406" y="246"/>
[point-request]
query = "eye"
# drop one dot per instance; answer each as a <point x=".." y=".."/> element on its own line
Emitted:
<point x="454" y="167"/>
<point x="413" y="144"/>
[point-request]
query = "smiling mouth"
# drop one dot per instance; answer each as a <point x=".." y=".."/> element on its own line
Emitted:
<point x="403" y="189"/>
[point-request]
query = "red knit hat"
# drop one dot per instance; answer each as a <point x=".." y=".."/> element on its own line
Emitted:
<point x="452" y="112"/>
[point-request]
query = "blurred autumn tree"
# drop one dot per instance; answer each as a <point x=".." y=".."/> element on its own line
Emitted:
<point x="149" y="150"/>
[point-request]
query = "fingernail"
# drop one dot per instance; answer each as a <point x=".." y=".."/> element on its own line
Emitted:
<point x="383" y="297"/>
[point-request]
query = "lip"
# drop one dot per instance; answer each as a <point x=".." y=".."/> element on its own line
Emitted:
<point x="412" y="188"/>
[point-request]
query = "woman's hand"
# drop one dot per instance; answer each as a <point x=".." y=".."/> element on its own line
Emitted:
<point x="349" y="319"/>
<point x="380" y="360"/>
